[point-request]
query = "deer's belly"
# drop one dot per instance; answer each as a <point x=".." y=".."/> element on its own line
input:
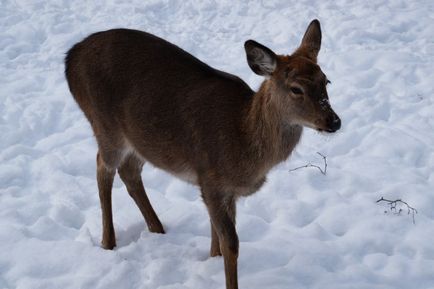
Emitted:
<point x="187" y="175"/>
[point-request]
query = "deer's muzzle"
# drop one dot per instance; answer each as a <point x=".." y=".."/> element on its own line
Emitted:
<point x="333" y="123"/>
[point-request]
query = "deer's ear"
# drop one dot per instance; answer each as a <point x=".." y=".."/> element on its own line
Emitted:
<point x="311" y="42"/>
<point x="260" y="58"/>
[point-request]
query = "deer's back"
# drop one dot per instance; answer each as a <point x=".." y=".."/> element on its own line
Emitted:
<point x="173" y="109"/>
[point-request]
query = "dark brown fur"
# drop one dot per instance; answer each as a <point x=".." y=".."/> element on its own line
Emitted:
<point x="148" y="100"/>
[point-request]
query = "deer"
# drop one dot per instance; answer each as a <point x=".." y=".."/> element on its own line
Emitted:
<point x="147" y="100"/>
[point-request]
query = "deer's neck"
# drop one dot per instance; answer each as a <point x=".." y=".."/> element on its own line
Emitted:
<point x="271" y="138"/>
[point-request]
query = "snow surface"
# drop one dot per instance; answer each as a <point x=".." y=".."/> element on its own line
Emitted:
<point x="301" y="230"/>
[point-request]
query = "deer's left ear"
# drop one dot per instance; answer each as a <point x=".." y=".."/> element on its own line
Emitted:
<point x="262" y="60"/>
<point x="311" y="42"/>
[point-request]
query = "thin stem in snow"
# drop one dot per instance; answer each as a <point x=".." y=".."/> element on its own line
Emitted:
<point x="310" y="165"/>
<point x="393" y="205"/>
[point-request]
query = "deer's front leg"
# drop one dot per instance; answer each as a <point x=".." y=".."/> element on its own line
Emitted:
<point x="215" y="244"/>
<point x="221" y="208"/>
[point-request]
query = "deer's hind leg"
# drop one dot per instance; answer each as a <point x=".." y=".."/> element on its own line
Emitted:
<point x="110" y="154"/>
<point x="129" y="171"/>
<point x="106" y="169"/>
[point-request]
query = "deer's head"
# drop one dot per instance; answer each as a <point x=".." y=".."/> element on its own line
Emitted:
<point x="296" y="83"/>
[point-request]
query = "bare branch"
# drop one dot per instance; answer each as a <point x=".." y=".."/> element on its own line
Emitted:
<point x="310" y="165"/>
<point x="393" y="207"/>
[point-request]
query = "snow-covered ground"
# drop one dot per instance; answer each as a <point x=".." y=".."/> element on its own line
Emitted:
<point x="301" y="230"/>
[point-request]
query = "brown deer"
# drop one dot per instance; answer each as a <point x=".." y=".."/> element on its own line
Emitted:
<point x="148" y="100"/>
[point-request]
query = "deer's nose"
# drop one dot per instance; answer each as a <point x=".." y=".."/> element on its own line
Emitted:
<point x="334" y="123"/>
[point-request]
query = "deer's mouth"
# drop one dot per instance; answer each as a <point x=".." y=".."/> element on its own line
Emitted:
<point x="332" y="125"/>
<point x="328" y="130"/>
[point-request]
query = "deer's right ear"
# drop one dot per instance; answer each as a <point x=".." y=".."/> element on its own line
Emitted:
<point x="311" y="43"/>
<point x="260" y="58"/>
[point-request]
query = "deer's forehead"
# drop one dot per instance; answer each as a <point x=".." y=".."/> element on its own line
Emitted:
<point x="300" y="67"/>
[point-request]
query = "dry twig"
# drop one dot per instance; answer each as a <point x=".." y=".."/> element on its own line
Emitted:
<point x="393" y="207"/>
<point x="310" y="165"/>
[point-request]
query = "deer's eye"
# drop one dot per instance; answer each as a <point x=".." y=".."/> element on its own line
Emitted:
<point x="297" y="91"/>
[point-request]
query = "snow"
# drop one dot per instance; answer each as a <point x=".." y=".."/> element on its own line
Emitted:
<point x="301" y="230"/>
